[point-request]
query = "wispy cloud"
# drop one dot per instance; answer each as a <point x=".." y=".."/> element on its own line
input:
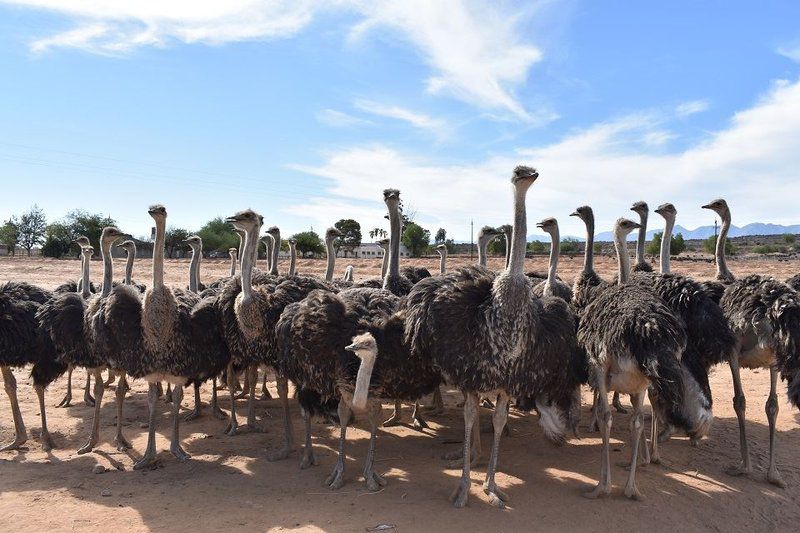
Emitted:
<point x="691" y="107"/>
<point x="791" y="52"/>
<point x="477" y="50"/>
<point x="607" y="165"/>
<point x="415" y="119"/>
<point x="339" y="119"/>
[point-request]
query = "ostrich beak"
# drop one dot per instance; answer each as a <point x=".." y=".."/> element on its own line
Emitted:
<point x="574" y="214"/>
<point x="707" y="206"/>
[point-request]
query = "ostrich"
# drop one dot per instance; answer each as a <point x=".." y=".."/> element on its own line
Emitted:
<point x="234" y="255"/>
<point x="552" y="286"/>
<point x="723" y="277"/>
<point x="489" y="335"/>
<point x="182" y="341"/>
<point x="710" y="340"/>
<point x="634" y="341"/>
<point x="292" y="257"/>
<point x="442" y="250"/>
<point x="76" y="286"/>
<point x="384" y="244"/>
<point x="764" y="315"/>
<point x="348" y="273"/>
<point x="251" y="312"/>
<point x="130" y="250"/>
<point x="486" y="235"/>
<point x="506" y="230"/>
<point x="275" y="233"/>
<point x="269" y="243"/>
<point x="331" y="234"/>
<point x="195" y="242"/>
<point x="437" y="402"/>
<point x="641" y="209"/>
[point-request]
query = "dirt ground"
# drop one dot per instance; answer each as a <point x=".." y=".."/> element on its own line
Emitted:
<point x="229" y="484"/>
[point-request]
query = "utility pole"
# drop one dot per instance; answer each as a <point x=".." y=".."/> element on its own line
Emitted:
<point x="471" y="241"/>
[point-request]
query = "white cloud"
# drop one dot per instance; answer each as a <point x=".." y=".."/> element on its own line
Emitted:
<point x="418" y="120"/>
<point x="478" y="51"/>
<point x="339" y="119"/>
<point x="752" y="162"/>
<point x="690" y="108"/>
<point x="790" y="52"/>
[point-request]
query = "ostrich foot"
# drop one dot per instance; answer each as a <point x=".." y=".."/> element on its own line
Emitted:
<point x="460" y="495"/>
<point x="168" y="396"/>
<point x="232" y="429"/>
<point x="280" y="455"/>
<point x="121" y="443"/>
<point x="774" y="477"/>
<point x="600" y="491"/>
<point x="308" y="460"/>
<point x="419" y="423"/>
<point x="194" y="413"/>
<point x="594" y="426"/>
<point x="89" y="446"/>
<point x="618" y="407"/>
<point x="632" y="492"/>
<point x="336" y="479"/>
<point x="218" y="413"/>
<point x="395" y="420"/>
<point x="47" y="441"/>
<point x="179" y="453"/>
<point x="66" y="401"/>
<point x="739" y="470"/>
<point x="374" y="481"/>
<point x="627" y="464"/>
<point x="88" y="400"/>
<point x="665" y="434"/>
<point x="148" y="461"/>
<point x="16" y="445"/>
<point x="487" y="403"/>
<point x="497" y="497"/>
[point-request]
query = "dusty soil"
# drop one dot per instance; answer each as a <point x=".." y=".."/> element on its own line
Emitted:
<point x="229" y="484"/>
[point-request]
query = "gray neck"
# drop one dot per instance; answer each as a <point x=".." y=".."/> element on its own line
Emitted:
<point x="82" y="276"/>
<point x="508" y="247"/>
<point x="395" y="225"/>
<point x="85" y="289"/>
<point x="555" y="251"/>
<point x="268" y="251"/>
<point x="516" y="263"/>
<point x="385" y="265"/>
<point x="194" y="270"/>
<point x="158" y="254"/>
<point x="234" y="259"/>
<point x="241" y="248"/>
<point x="623" y="260"/>
<point x="588" y="253"/>
<point x="292" y="258"/>
<point x="483" y="244"/>
<point x="248" y="256"/>
<point x="722" y="266"/>
<point x="276" y="248"/>
<point x="331" y="259"/>
<point x="129" y="266"/>
<point x="108" y="266"/>
<point x="442" y="261"/>
<point x="642" y="238"/>
<point x="666" y="241"/>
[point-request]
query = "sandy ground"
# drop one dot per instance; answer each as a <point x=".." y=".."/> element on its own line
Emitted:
<point x="229" y="484"/>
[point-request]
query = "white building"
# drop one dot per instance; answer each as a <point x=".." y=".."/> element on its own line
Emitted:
<point x="372" y="250"/>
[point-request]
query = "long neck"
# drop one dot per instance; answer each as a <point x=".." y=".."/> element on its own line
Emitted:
<point x="508" y="248"/>
<point x="268" y="250"/>
<point x="129" y="267"/>
<point x="555" y="251"/>
<point x="519" y="240"/>
<point x="395" y="224"/>
<point x="331" y="259"/>
<point x="241" y="248"/>
<point x="722" y="267"/>
<point x="248" y="257"/>
<point x="443" y="261"/>
<point x="483" y="243"/>
<point x="385" y="265"/>
<point x="623" y="260"/>
<point x="85" y="289"/>
<point x="158" y="254"/>
<point x="588" y="253"/>
<point x="108" y="266"/>
<point x="642" y="238"/>
<point x="276" y="248"/>
<point x="194" y="271"/>
<point x="666" y="241"/>
<point x="292" y="259"/>
<point x="82" y="278"/>
<point x="234" y="258"/>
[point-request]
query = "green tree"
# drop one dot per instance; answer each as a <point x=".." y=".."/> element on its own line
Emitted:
<point x="537" y="247"/>
<point x="218" y="235"/>
<point x="32" y="228"/>
<point x="598" y="248"/>
<point x="377" y="233"/>
<point x="351" y="238"/>
<point x="497" y="247"/>
<point x="676" y="245"/>
<point x="308" y="242"/>
<point x="710" y="245"/>
<point x="173" y="240"/>
<point x="441" y="236"/>
<point x="416" y="239"/>
<point x="789" y="238"/>
<point x="58" y="241"/>
<point x="9" y="234"/>
<point x="80" y="222"/>
<point x="569" y="246"/>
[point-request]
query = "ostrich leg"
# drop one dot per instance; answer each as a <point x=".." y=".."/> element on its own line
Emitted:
<point x="175" y="445"/>
<point x="336" y="479"/>
<point x="98" y="399"/>
<point x="149" y="460"/>
<point x="637" y="424"/>
<point x="216" y="412"/>
<point x="168" y="394"/>
<point x="120" y="441"/>
<point x="197" y="412"/>
<point x="66" y="401"/>
<point x="252" y="374"/>
<point x="87" y="398"/>
<point x="773" y="476"/>
<point x="397" y="416"/>
<point x="740" y="406"/>
<point x="374" y="481"/>
<point x="437" y="403"/>
<point x="47" y="441"/>
<point x="460" y="495"/>
<point x="308" y="450"/>
<point x="233" y="424"/>
<point x="111" y="377"/>
<point x="496" y="497"/>
<point x="594" y="425"/>
<point x="20" y="434"/>
<point x="603" y="488"/>
<point x="265" y="395"/>
<point x="288" y="437"/>
<point x="475" y="447"/>
<point x="617" y="404"/>
<point x="416" y="418"/>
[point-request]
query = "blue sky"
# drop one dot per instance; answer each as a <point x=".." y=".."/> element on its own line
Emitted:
<point x="306" y="110"/>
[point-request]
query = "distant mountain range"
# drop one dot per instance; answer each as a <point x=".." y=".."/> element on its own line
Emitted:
<point x="703" y="232"/>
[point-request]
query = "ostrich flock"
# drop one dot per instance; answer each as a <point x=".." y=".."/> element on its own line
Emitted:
<point x="508" y="339"/>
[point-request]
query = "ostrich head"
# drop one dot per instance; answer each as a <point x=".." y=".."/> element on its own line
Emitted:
<point x="158" y="212"/>
<point x="129" y="246"/>
<point x="384" y="243"/>
<point x="624" y="226"/>
<point x="246" y="220"/>
<point x="365" y="347"/>
<point x="233" y="252"/>
<point x="87" y="251"/>
<point x="274" y="232"/>
<point x="82" y="241"/>
<point x="667" y="211"/>
<point x="584" y="212"/>
<point x="719" y="206"/>
<point x="195" y="242"/>
<point x="111" y="234"/>
<point x="640" y="208"/>
<point x="524" y="176"/>
<point x="392" y="198"/>
<point x="442" y="249"/>
<point x="506" y="230"/>
<point x="550" y="225"/>
<point x="292" y="242"/>
<point x="332" y="233"/>
<point x="488" y="232"/>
